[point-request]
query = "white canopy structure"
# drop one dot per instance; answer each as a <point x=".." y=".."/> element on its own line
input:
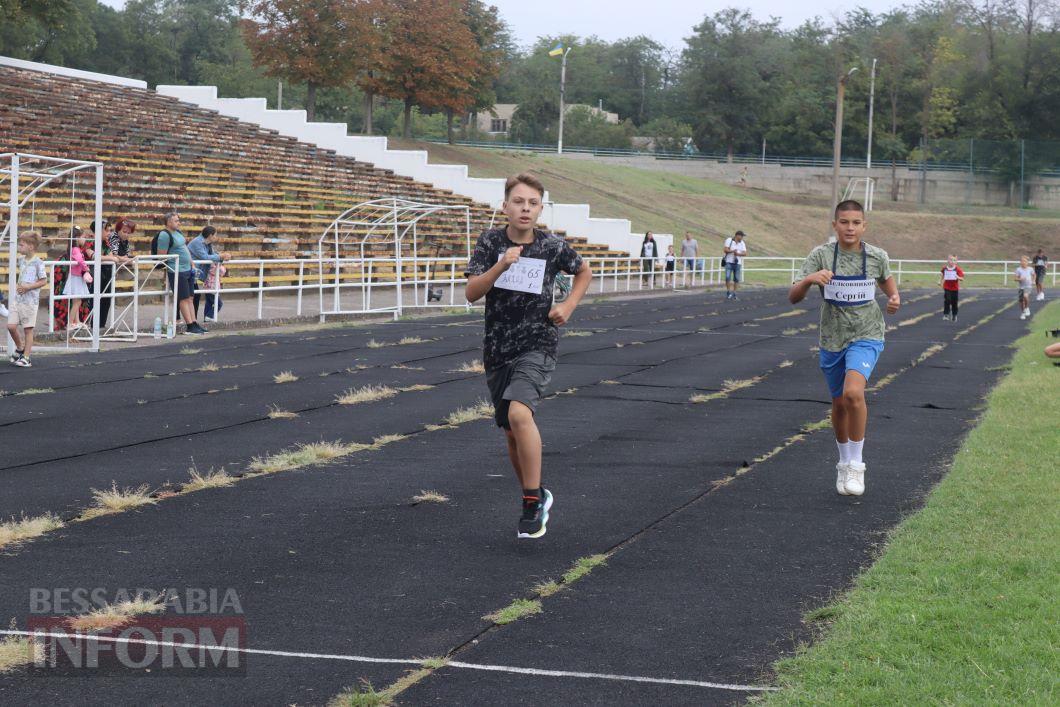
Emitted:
<point x="352" y="242"/>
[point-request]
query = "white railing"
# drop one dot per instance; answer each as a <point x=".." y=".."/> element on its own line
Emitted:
<point x="138" y="291"/>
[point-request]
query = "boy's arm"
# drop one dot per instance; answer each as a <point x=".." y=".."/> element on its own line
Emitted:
<point x="479" y="285"/>
<point x="822" y="277"/>
<point x="562" y="311"/>
<point x="890" y="288"/>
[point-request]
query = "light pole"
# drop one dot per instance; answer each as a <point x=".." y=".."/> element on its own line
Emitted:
<point x="837" y="142"/>
<point x="562" y="95"/>
<point x="872" y="105"/>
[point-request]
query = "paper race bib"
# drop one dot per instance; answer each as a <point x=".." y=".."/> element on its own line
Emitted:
<point x="847" y="292"/>
<point x="948" y="274"/>
<point x="525" y="275"/>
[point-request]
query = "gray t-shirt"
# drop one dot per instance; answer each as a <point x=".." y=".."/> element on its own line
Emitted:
<point x="689" y="248"/>
<point x="30" y="270"/>
<point x="841" y="326"/>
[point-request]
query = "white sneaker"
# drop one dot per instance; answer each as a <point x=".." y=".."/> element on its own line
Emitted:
<point x="1040" y="297"/>
<point x="842" y="470"/>
<point x="1023" y="315"/>
<point x="855" y="485"/>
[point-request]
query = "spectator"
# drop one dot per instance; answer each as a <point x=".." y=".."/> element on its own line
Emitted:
<point x="118" y="243"/>
<point x="1040" y="262"/>
<point x="735" y="251"/>
<point x="689" y="251"/>
<point x="76" y="286"/>
<point x="1024" y="281"/>
<point x="669" y="276"/>
<point x="170" y="241"/>
<point x="649" y="253"/>
<point x="201" y="248"/>
<point x="31" y="277"/>
<point x="106" y="271"/>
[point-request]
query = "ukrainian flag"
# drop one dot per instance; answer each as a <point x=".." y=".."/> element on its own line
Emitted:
<point x="557" y="50"/>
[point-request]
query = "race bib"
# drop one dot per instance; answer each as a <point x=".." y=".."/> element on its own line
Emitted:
<point x="525" y="275"/>
<point x="948" y="274"/>
<point x="846" y="292"/>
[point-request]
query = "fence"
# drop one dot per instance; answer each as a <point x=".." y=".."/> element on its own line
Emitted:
<point x="139" y="292"/>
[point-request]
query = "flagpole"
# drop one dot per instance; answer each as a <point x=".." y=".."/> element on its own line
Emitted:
<point x="562" y="94"/>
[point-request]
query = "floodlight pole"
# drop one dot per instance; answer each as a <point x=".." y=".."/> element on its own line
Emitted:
<point x="837" y="144"/>
<point x="562" y="96"/>
<point x="872" y="105"/>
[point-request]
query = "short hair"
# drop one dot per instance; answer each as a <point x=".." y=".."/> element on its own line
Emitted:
<point x="739" y="233"/>
<point x="123" y="222"/>
<point x="168" y="215"/>
<point x="523" y="178"/>
<point x="849" y="205"/>
<point x="207" y="231"/>
<point x="31" y="237"/>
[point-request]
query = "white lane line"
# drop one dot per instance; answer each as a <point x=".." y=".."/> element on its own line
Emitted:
<point x="396" y="661"/>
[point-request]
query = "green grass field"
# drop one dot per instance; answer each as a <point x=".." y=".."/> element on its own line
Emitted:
<point x="776" y="224"/>
<point x="962" y="607"/>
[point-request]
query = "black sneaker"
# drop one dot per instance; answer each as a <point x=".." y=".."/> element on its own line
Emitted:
<point x="194" y="328"/>
<point x="15" y="356"/>
<point x="535" y="516"/>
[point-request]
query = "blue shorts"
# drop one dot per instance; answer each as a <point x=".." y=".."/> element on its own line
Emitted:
<point x="860" y="356"/>
<point x="732" y="271"/>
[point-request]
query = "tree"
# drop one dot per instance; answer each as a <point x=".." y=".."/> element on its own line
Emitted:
<point x="494" y="43"/>
<point x="308" y="41"/>
<point x="429" y="50"/>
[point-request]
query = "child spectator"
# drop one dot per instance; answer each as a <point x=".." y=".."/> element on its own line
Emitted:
<point x="23" y="315"/>
<point x="1024" y="281"/>
<point x="77" y="282"/>
<point x="669" y="276"/>
<point x="950" y="278"/>
<point x="522" y="329"/>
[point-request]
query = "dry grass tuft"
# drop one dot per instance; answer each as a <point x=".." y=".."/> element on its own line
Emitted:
<point x="785" y="364"/>
<point x="285" y="377"/>
<point x="303" y="455"/>
<point x="365" y="394"/>
<point x="577" y="332"/>
<point x="13" y="532"/>
<point x="116" y="500"/>
<point x="211" y="480"/>
<point x="115" y="615"/>
<point x="474" y="366"/>
<point x="406" y="340"/>
<point x="728" y="386"/>
<point x="373" y="344"/>
<point x="415" y="388"/>
<point x="189" y="351"/>
<point x="384" y="440"/>
<point x="17" y="651"/>
<point x="479" y="411"/>
<point x="277" y="413"/>
<point x="430" y="497"/>
<point x="210" y="367"/>
<point x="35" y="391"/>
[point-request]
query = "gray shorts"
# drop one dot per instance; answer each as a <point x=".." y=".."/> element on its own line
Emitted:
<point x="523" y="380"/>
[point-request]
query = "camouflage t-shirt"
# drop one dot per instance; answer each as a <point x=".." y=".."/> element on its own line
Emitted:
<point x="517" y="322"/>
<point x="840" y="326"/>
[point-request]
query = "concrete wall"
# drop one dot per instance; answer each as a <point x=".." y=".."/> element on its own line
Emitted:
<point x="939" y="187"/>
<point x="73" y="73"/>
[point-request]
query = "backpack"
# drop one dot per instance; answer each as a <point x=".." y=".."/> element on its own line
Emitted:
<point x="154" y="241"/>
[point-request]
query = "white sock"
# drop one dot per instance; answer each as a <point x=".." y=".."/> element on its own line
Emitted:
<point x="844" y="451"/>
<point x="854" y="451"/>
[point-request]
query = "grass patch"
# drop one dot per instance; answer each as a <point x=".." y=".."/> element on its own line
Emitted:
<point x="479" y="411"/>
<point x="821" y="424"/>
<point x="189" y="351"/>
<point x="547" y="589"/>
<point x="35" y="391"/>
<point x="13" y="532"/>
<point x="406" y="340"/>
<point x="211" y="480"/>
<point x="18" y="651"/>
<point x="415" y="388"/>
<point x="961" y="607"/>
<point x="285" y="377"/>
<point x="384" y="440"/>
<point x="210" y="367"/>
<point x="116" y="500"/>
<point x="582" y="567"/>
<point x="785" y="364"/>
<point x="430" y="497"/>
<point x="303" y="455"/>
<point x="115" y="615"/>
<point x="474" y="366"/>
<point x="277" y="413"/>
<point x="373" y="344"/>
<point x="728" y="386"/>
<point x="365" y="394"/>
<point x="518" y="609"/>
<point x="577" y="332"/>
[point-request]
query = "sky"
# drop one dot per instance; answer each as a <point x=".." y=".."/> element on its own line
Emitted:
<point x="666" y="21"/>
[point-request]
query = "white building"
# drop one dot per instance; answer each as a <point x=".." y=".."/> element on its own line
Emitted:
<point x="498" y="119"/>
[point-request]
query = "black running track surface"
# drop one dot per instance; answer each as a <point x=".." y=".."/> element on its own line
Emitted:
<point x="707" y="582"/>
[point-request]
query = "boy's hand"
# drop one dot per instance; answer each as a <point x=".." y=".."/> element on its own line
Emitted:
<point x="511" y="256"/>
<point x="20" y="289"/>
<point x="893" y="303"/>
<point x="560" y="314"/>
<point x="821" y="277"/>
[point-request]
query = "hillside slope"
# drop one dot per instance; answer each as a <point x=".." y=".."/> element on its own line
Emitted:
<point x="776" y="224"/>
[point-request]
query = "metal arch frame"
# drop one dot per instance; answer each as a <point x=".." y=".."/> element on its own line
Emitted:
<point x="383" y="221"/>
<point x="52" y="169"/>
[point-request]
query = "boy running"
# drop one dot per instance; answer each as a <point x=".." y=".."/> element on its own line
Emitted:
<point x="515" y="268"/>
<point x="852" y="330"/>
<point x="1040" y="262"/>
<point x="950" y="278"/>
<point x="23" y="314"/>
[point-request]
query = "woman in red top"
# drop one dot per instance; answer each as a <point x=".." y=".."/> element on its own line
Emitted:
<point x="950" y="279"/>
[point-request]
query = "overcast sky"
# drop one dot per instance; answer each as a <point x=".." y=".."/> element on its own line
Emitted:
<point x="666" y="21"/>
